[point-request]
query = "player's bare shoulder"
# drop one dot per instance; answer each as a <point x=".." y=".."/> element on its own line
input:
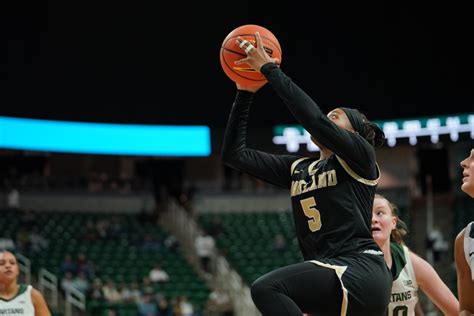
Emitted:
<point x="459" y="241"/>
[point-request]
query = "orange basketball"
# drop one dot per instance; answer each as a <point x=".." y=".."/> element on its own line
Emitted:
<point x="230" y="52"/>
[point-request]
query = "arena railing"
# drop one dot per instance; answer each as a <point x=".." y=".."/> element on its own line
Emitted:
<point x="187" y="230"/>
<point x="47" y="280"/>
<point x="25" y="267"/>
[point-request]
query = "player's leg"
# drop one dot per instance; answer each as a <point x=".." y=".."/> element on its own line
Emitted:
<point x="294" y="289"/>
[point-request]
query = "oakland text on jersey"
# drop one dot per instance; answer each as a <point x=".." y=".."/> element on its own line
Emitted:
<point x="324" y="179"/>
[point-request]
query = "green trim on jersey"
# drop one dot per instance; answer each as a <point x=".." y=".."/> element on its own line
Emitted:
<point x="22" y="289"/>
<point x="398" y="259"/>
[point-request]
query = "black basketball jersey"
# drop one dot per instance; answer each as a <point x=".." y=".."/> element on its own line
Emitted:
<point x="332" y="198"/>
<point x="332" y="207"/>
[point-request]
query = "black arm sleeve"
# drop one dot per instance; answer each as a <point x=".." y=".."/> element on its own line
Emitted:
<point x="274" y="169"/>
<point x="351" y="147"/>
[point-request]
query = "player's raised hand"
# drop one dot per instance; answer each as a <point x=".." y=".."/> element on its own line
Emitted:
<point x="256" y="55"/>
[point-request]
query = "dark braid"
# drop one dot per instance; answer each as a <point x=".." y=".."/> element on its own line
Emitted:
<point x="373" y="133"/>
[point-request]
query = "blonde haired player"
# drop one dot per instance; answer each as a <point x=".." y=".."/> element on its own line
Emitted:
<point x="409" y="271"/>
<point x="464" y="246"/>
<point x="15" y="298"/>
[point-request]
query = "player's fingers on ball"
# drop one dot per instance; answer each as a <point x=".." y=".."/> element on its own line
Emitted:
<point x="238" y="41"/>
<point x="258" y="38"/>
<point x="242" y="43"/>
<point x="249" y="49"/>
<point x="240" y="61"/>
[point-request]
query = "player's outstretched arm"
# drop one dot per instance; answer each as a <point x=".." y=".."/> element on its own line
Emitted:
<point x="430" y="282"/>
<point x="41" y="308"/>
<point x="465" y="283"/>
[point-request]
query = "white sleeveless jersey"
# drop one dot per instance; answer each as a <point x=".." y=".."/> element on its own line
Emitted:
<point x="404" y="288"/>
<point x="21" y="304"/>
<point x="469" y="247"/>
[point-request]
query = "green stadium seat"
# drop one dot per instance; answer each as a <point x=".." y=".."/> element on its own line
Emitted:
<point x="248" y="239"/>
<point x="122" y="260"/>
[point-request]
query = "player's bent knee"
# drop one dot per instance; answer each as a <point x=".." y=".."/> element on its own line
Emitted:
<point x="259" y="290"/>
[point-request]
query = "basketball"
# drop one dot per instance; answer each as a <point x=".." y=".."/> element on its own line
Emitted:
<point x="230" y="52"/>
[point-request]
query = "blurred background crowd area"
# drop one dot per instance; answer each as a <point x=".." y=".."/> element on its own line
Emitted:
<point x="102" y="223"/>
<point x="115" y="234"/>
